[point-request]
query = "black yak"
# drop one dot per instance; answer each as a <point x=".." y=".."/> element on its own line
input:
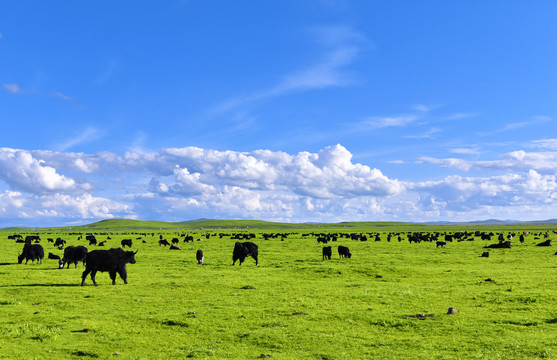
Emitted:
<point x="31" y="252"/>
<point x="343" y="251"/>
<point x="243" y="250"/>
<point x="163" y="242"/>
<point x="327" y="252"/>
<point x="73" y="254"/>
<point x="199" y="256"/>
<point x="545" y="243"/>
<point x="126" y="242"/>
<point x="113" y="260"/>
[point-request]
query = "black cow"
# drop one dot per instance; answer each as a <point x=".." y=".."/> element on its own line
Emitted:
<point x="545" y="243"/>
<point x="126" y="242"/>
<point x="243" y="250"/>
<point x="163" y="242"/>
<point x="485" y="254"/>
<point x="501" y="245"/>
<point x="175" y="241"/>
<point x="174" y="247"/>
<point x="31" y="252"/>
<point x="73" y="254"/>
<point x="327" y="252"/>
<point x="113" y="260"/>
<point x="441" y="243"/>
<point x="199" y="256"/>
<point x="59" y="242"/>
<point x="92" y="239"/>
<point x="53" y="256"/>
<point x="343" y="251"/>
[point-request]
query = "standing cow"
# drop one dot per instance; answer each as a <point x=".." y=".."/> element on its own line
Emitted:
<point x="343" y="251"/>
<point x="243" y="250"/>
<point x="31" y="252"/>
<point x="73" y="254"/>
<point x="199" y="256"/>
<point x="113" y="260"/>
<point x="327" y="252"/>
<point x="126" y="242"/>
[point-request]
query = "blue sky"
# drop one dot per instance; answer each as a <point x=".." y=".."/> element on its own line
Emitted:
<point x="293" y="111"/>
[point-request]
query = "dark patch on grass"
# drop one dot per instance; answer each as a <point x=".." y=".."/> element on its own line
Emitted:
<point x="552" y="321"/>
<point x="175" y="323"/>
<point x="84" y="353"/>
<point x="248" y="287"/>
<point x="518" y="323"/>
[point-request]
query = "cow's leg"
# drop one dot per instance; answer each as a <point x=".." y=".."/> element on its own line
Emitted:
<point x="84" y="275"/>
<point x="93" y="273"/>
<point x="256" y="262"/>
<point x="123" y="274"/>
<point x="113" y="276"/>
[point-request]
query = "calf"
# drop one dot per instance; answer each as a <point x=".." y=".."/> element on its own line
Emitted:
<point x="243" y="250"/>
<point x="343" y="251"/>
<point x="113" y="260"/>
<point x="199" y="256"/>
<point x="327" y="252"/>
<point x="31" y="252"/>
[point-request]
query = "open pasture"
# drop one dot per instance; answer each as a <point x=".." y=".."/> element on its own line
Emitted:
<point x="389" y="301"/>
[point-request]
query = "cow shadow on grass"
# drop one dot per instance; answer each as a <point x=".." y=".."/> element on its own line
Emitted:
<point x="43" y="285"/>
<point x="552" y="321"/>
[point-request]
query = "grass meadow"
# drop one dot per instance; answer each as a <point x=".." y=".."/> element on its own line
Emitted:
<point x="295" y="305"/>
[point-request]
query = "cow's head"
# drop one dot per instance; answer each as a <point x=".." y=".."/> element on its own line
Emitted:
<point x="130" y="257"/>
<point x="61" y="263"/>
<point x="20" y="258"/>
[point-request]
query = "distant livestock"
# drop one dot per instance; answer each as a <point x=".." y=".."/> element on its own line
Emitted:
<point x="59" y="242"/>
<point x="501" y="245"/>
<point x="344" y="252"/>
<point x="53" y="256"/>
<point x="126" y="242"/>
<point x="545" y="243"/>
<point x="485" y="254"/>
<point x="441" y="243"/>
<point x="174" y="247"/>
<point x="73" y="254"/>
<point x="199" y="256"/>
<point x="31" y="252"/>
<point x="113" y="260"/>
<point x="163" y="242"/>
<point x="327" y="252"/>
<point x="243" y="250"/>
<point x="92" y="239"/>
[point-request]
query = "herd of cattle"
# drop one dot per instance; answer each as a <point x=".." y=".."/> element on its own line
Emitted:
<point x="114" y="260"/>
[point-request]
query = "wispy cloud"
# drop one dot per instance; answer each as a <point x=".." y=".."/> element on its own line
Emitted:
<point x="550" y="144"/>
<point x="429" y="134"/>
<point x="89" y="134"/>
<point x="389" y="121"/>
<point x="13" y="88"/>
<point x="535" y="120"/>
<point x="62" y="96"/>
<point x="342" y="46"/>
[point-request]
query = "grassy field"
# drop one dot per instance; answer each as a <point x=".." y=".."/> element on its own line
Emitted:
<point x="293" y="306"/>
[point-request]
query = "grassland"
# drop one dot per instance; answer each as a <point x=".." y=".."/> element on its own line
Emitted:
<point x="293" y="306"/>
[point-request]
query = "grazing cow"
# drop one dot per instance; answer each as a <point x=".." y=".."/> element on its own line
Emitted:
<point x="441" y="243"/>
<point x="92" y="239"/>
<point x="174" y="247"/>
<point x="113" y="260"/>
<point x="485" y="254"/>
<point x="73" y="254"/>
<point x="199" y="256"/>
<point x="31" y="252"/>
<point x="59" y="242"/>
<point x="327" y="252"/>
<point x="126" y="242"/>
<point x="343" y="251"/>
<point x="163" y="242"/>
<point x="545" y="243"/>
<point x="501" y="245"/>
<point x="175" y="240"/>
<point x="188" y="238"/>
<point x="243" y="250"/>
<point x="53" y="256"/>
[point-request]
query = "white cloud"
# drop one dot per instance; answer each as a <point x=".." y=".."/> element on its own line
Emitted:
<point x="382" y="122"/>
<point x="21" y="171"/>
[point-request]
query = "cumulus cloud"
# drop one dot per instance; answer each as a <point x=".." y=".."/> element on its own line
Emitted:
<point x="21" y="171"/>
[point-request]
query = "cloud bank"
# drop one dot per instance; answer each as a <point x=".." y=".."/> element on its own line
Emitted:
<point x="176" y="184"/>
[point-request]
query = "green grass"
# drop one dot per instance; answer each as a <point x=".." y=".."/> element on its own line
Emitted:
<point x="293" y="306"/>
